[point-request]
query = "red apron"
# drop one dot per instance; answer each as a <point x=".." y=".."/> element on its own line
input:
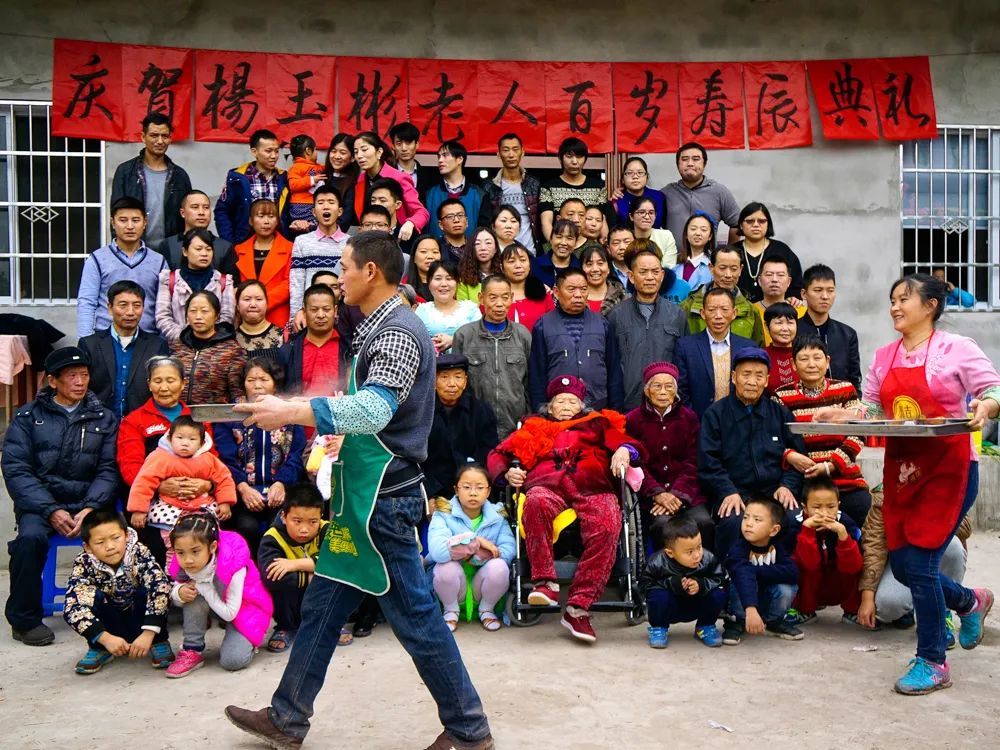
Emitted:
<point x="924" y="479"/>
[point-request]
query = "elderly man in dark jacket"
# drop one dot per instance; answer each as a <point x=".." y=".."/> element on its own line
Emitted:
<point x="59" y="465"/>
<point x="744" y="438"/>
<point x="464" y="427"/>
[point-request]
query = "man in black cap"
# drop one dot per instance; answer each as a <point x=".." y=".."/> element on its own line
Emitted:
<point x="59" y="465"/>
<point x="743" y="440"/>
<point x="464" y="427"/>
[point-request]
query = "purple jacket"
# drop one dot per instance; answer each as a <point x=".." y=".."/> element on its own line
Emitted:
<point x="671" y="441"/>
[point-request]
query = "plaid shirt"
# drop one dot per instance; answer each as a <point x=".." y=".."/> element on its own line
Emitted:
<point x="261" y="186"/>
<point x="394" y="356"/>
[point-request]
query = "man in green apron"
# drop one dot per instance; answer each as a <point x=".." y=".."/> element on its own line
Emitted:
<point x="371" y="542"/>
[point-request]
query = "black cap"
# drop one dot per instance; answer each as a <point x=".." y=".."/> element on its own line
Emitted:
<point x="68" y="356"/>
<point x="452" y="362"/>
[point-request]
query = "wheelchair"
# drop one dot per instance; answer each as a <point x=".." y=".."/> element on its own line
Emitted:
<point x="624" y="580"/>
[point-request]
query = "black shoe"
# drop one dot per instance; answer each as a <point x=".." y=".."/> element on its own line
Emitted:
<point x="784" y="629"/>
<point x="905" y="622"/>
<point x="40" y="635"/>
<point x="363" y="629"/>
<point x="732" y="632"/>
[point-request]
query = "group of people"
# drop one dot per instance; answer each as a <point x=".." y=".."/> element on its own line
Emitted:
<point x="540" y="335"/>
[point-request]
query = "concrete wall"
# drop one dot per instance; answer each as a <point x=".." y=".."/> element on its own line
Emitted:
<point x="835" y="202"/>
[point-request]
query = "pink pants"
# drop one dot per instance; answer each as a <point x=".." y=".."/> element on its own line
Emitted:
<point x="165" y="536"/>
<point x="490" y="583"/>
<point x="600" y="522"/>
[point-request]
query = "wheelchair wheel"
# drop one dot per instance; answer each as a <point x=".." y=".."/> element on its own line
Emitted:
<point x="636" y="615"/>
<point x="524" y="619"/>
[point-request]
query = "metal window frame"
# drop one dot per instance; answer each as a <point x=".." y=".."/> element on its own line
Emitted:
<point x="9" y="110"/>
<point x="964" y="175"/>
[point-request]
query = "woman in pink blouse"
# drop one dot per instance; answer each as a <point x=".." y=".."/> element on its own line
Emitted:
<point x="929" y="484"/>
<point x="371" y="154"/>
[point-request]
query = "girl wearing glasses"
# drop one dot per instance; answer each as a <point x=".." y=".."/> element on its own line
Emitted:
<point x="643" y="217"/>
<point x="635" y="176"/>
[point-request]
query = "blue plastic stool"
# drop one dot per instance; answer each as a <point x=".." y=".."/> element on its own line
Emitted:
<point x="50" y="589"/>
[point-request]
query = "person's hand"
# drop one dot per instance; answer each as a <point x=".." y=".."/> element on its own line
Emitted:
<point x="488" y="546"/>
<point x="62" y="522"/>
<point x="185" y="488"/>
<point x="115" y="646"/>
<point x="835" y="414"/>
<point x="620" y="460"/>
<point x="251" y="497"/>
<point x="406" y="230"/>
<point x="333" y="445"/>
<point x="982" y="410"/>
<point x="731" y="505"/>
<point x="690" y="585"/>
<point x="784" y="496"/>
<point x="838" y="528"/>
<point x="78" y="521"/>
<point x="270" y="413"/>
<point x="823" y="468"/>
<point x="188" y="592"/>
<point x="866" y="612"/>
<point x="299" y="225"/>
<point x="814" y="522"/>
<point x="800" y="461"/>
<point x="299" y="321"/>
<point x="618" y="193"/>
<point x="442" y="341"/>
<point x="665" y="504"/>
<point x="275" y="495"/>
<point x="225" y="512"/>
<point x="516" y="477"/>
<point x="139" y="648"/>
<point x="138" y="520"/>
<point x="279" y="568"/>
<point x="794" y="301"/>
<point x="754" y="623"/>
<point x="951" y="287"/>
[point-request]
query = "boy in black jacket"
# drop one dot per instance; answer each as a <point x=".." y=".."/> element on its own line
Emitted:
<point x="682" y="582"/>
<point x="764" y="576"/>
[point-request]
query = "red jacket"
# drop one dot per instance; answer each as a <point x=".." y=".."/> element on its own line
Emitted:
<point x="578" y="461"/>
<point x="163" y="463"/>
<point x="671" y="443"/>
<point x="845" y="557"/>
<point x="138" y="435"/>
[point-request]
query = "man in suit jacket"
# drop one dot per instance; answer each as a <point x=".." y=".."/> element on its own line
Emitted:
<point x="705" y="360"/>
<point x="118" y="355"/>
<point x="196" y="213"/>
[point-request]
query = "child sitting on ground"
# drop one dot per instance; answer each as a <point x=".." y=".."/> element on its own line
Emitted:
<point x="117" y="595"/>
<point x="826" y="553"/>
<point x="287" y="559"/>
<point x="764" y="576"/>
<point x="472" y="533"/>
<point x="304" y="176"/>
<point x="183" y="452"/>
<point x="682" y="582"/>
<point x="214" y="573"/>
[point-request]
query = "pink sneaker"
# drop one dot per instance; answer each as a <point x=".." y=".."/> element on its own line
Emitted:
<point x="185" y="663"/>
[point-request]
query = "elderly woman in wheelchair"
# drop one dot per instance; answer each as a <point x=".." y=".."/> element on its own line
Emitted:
<point x="567" y="457"/>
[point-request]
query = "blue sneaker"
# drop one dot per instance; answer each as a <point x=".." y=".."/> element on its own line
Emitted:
<point x="93" y="660"/>
<point x="161" y="655"/>
<point x="924" y="677"/>
<point x="974" y="622"/>
<point x="658" y="637"/>
<point x="949" y="632"/>
<point x="709" y="635"/>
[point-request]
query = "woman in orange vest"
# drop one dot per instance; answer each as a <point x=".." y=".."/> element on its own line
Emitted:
<point x="266" y="256"/>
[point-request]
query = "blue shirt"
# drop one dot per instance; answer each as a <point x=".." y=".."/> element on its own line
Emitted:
<point x="123" y="365"/>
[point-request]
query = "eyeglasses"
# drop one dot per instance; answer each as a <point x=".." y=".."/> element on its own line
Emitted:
<point x="473" y="487"/>
<point x="755" y="221"/>
<point x="648" y="212"/>
<point x="375" y="225"/>
<point x="453" y="217"/>
<point x="633" y="173"/>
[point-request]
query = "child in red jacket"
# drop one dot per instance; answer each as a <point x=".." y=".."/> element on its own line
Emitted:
<point x="185" y="451"/>
<point x="827" y="554"/>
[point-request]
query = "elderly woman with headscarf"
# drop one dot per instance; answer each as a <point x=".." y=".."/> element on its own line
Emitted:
<point x="567" y="457"/>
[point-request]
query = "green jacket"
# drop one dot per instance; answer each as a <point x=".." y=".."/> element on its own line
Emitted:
<point x="748" y="323"/>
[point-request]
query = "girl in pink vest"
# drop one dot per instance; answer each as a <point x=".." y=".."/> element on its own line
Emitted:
<point x="214" y="573"/>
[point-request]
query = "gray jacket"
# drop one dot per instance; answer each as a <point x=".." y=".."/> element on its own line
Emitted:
<point x="642" y="342"/>
<point x="498" y="369"/>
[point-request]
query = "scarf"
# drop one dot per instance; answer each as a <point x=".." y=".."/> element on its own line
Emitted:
<point x="197" y="280"/>
<point x="537" y="435"/>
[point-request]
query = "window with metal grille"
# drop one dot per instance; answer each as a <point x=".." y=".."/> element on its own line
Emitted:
<point x="51" y="206"/>
<point x="951" y="212"/>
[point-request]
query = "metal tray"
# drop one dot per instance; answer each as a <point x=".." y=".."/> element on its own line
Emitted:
<point x="216" y="413"/>
<point x="885" y="427"/>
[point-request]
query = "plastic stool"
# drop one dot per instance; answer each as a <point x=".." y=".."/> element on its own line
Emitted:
<point x="50" y="590"/>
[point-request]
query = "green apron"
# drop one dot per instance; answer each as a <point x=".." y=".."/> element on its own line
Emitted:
<point x="348" y="554"/>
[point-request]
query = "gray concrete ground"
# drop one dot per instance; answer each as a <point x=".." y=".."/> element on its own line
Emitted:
<point x="541" y="691"/>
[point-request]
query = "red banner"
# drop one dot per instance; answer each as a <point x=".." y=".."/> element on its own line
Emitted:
<point x="511" y="100"/>
<point x="371" y="94"/>
<point x="777" y="105"/>
<point x="157" y="79"/>
<point x="300" y="96"/>
<point x="87" y="90"/>
<point x="578" y="99"/>
<point x="229" y="95"/>
<point x="646" y="107"/>
<point x="443" y="97"/>
<point x="843" y="93"/>
<point x="711" y="97"/>
<point x="904" y="97"/>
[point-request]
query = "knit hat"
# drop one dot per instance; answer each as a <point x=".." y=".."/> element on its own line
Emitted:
<point x="660" y="368"/>
<point x="68" y="356"/>
<point x="566" y="384"/>
<point x="751" y="354"/>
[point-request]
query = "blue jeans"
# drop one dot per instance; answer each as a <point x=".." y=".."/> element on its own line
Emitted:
<point x="415" y="618"/>
<point x="773" y="601"/>
<point x="933" y="594"/>
<point x="665" y="607"/>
